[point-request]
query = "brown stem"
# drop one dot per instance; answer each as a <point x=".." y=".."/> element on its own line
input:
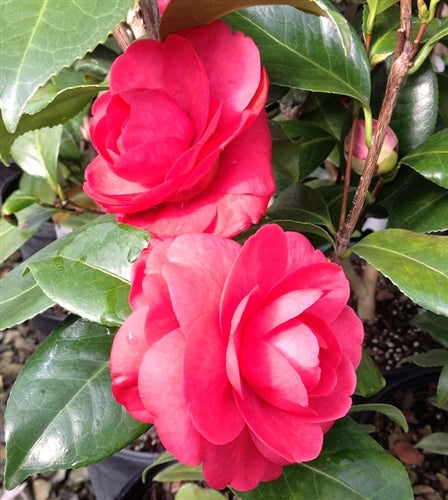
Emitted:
<point x="404" y="55"/>
<point x="151" y="18"/>
<point x="418" y="38"/>
<point x="348" y="169"/>
<point x="122" y="37"/>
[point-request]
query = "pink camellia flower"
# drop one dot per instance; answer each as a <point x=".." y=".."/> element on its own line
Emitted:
<point x="242" y="356"/>
<point x="182" y="135"/>
<point x="388" y="157"/>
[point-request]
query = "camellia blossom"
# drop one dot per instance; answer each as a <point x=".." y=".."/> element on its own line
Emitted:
<point x="388" y="157"/>
<point x="182" y="135"/>
<point x="242" y="356"/>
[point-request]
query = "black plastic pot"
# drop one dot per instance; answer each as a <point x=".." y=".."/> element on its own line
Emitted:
<point x="119" y="477"/>
<point x="397" y="380"/>
<point x="9" y="180"/>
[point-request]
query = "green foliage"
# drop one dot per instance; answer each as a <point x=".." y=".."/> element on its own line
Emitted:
<point x="351" y="466"/>
<point x="61" y="413"/>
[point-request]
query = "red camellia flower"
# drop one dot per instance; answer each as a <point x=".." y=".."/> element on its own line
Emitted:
<point x="182" y="135"/>
<point x="242" y="356"/>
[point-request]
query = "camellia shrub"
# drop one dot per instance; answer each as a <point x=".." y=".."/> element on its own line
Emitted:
<point x="214" y="164"/>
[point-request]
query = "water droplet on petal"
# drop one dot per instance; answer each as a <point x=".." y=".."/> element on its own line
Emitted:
<point x="131" y="338"/>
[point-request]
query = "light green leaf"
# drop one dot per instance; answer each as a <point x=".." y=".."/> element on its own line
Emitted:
<point x="12" y="237"/>
<point x="60" y="106"/>
<point x="20" y="296"/>
<point x="416" y="263"/>
<point x="437" y="442"/>
<point x="351" y="466"/>
<point x="430" y="159"/>
<point x="61" y="413"/>
<point x="27" y="59"/>
<point x="89" y="276"/>
<point x="36" y="152"/>
<point x="434" y="324"/>
<point x="390" y="411"/>
<point x="307" y="52"/>
<point x="179" y="472"/>
<point x="194" y="492"/>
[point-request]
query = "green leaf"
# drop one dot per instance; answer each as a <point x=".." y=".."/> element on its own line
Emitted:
<point x="61" y="413"/>
<point x="17" y="201"/>
<point x="302" y="204"/>
<point x="437" y="442"/>
<point x="442" y="386"/>
<point x="12" y="237"/>
<point x="89" y="276"/>
<point x="36" y="152"/>
<point x="430" y="159"/>
<point x="390" y="411"/>
<point x="416" y="263"/>
<point x="435" y="357"/>
<point x="312" y="154"/>
<point x="308" y="52"/>
<point x="20" y="296"/>
<point x="60" y="106"/>
<point x="415" y="113"/>
<point x="369" y="379"/>
<point x="179" y="472"/>
<point x="443" y="96"/>
<point x="434" y="324"/>
<point x="419" y="205"/>
<point x="192" y="13"/>
<point x="285" y="159"/>
<point x="26" y="59"/>
<point x="351" y="466"/>
<point x="194" y="492"/>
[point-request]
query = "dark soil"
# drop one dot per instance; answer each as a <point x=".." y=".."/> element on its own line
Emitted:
<point x="388" y="339"/>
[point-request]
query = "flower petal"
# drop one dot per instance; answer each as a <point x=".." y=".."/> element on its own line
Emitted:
<point x="128" y="350"/>
<point x="160" y="385"/>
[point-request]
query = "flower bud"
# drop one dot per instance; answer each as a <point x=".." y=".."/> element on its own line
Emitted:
<point x="388" y="157"/>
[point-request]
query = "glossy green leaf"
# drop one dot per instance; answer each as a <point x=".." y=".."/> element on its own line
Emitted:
<point x="430" y="159"/>
<point x="90" y="275"/>
<point x="434" y="324"/>
<point x="303" y="204"/>
<point x="351" y="466"/>
<point x="60" y="106"/>
<point x="442" y="80"/>
<point x="191" y="13"/>
<point x="17" y="201"/>
<point x="416" y="263"/>
<point x="442" y="386"/>
<point x="36" y="152"/>
<point x="194" y="492"/>
<point x="12" y="237"/>
<point x="307" y="52"/>
<point x="437" y="442"/>
<point x="435" y="357"/>
<point x="20" y="296"/>
<point x="419" y="205"/>
<point x="26" y="60"/>
<point x="369" y="379"/>
<point x="390" y="411"/>
<point x="312" y="154"/>
<point x="415" y="113"/>
<point x="285" y="159"/>
<point x="61" y="413"/>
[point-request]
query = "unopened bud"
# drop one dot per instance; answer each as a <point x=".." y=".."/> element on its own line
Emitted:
<point x="388" y="157"/>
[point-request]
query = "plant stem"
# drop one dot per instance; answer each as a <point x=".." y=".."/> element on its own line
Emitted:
<point x="122" y="37"/>
<point x="151" y="18"/>
<point x="403" y="59"/>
